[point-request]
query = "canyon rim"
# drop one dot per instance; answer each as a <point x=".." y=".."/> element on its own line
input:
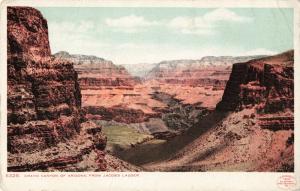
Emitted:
<point x="170" y="100"/>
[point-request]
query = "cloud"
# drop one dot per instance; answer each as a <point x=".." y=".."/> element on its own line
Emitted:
<point x="201" y="25"/>
<point x="74" y="37"/>
<point x="79" y="37"/>
<point x="192" y="25"/>
<point x="130" y="24"/>
<point x="206" y="24"/>
<point x="260" y="51"/>
<point x="190" y="22"/>
<point x="72" y="27"/>
<point x="223" y="14"/>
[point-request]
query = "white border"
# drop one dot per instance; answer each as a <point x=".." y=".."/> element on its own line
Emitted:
<point x="147" y="180"/>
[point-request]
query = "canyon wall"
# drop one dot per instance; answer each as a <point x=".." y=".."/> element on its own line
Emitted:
<point x="252" y="128"/>
<point x="267" y="83"/>
<point x="264" y="90"/>
<point x="46" y="130"/>
<point x="104" y="86"/>
<point x="96" y="73"/>
<point x="208" y="71"/>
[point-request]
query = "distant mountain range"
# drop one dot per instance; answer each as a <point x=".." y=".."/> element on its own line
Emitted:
<point x="149" y="70"/>
<point x="172" y="66"/>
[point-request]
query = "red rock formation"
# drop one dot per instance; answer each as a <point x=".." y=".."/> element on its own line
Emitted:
<point x="266" y="87"/>
<point x="119" y="114"/>
<point x="43" y="100"/>
<point x="28" y="35"/>
<point x="83" y="152"/>
<point x="277" y="123"/>
<point x="97" y="74"/>
<point x="94" y="72"/>
<point x="257" y="136"/>
<point x="267" y="81"/>
<point x="209" y="71"/>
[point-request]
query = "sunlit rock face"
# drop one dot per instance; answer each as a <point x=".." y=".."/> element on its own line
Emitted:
<point x="266" y="83"/>
<point x="208" y="71"/>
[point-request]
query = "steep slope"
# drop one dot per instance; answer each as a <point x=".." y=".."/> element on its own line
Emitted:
<point x="268" y="81"/>
<point x="45" y="129"/>
<point x="251" y="130"/>
<point x="104" y="86"/>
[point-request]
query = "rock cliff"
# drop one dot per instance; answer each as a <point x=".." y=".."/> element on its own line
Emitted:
<point x="44" y="122"/>
<point x="94" y="72"/>
<point x="252" y="128"/>
<point x="102" y="85"/>
<point x="208" y="71"/>
<point x="267" y="83"/>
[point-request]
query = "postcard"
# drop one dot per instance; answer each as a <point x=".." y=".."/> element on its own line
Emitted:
<point x="150" y="95"/>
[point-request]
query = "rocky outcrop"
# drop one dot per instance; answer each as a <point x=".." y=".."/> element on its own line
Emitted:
<point x="277" y="123"/>
<point x="27" y="35"/>
<point x="94" y="72"/>
<point x="43" y="101"/>
<point x="83" y="152"/>
<point x="267" y="83"/>
<point x="256" y="135"/>
<point x="119" y="114"/>
<point x="216" y="83"/>
<point x="97" y="75"/>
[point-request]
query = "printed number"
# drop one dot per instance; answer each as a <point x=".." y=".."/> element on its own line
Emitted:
<point x="12" y="175"/>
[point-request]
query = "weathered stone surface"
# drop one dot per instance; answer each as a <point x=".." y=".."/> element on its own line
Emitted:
<point x="267" y="85"/>
<point x="83" y="152"/>
<point x="276" y="123"/>
<point x="28" y="34"/>
<point x="208" y="71"/>
<point x="119" y="114"/>
<point x="44" y="101"/>
<point x="267" y="81"/>
<point x="97" y="72"/>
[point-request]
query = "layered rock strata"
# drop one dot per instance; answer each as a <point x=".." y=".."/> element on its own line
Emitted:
<point x="123" y="115"/>
<point x="99" y="79"/>
<point x="251" y="130"/>
<point x="44" y="102"/>
<point x="267" y="83"/>
<point x="94" y="72"/>
<point x="208" y="71"/>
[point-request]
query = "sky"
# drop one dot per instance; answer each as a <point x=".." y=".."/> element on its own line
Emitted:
<point x="149" y="35"/>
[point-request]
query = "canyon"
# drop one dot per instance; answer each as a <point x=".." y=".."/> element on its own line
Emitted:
<point x="168" y="100"/>
<point x="251" y="129"/>
<point x="74" y="112"/>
